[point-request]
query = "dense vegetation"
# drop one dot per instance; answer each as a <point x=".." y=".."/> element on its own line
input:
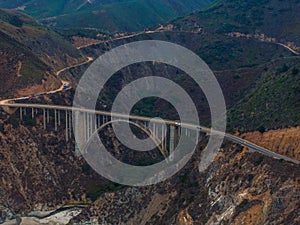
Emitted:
<point x="274" y="18"/>
<point x="273" y="104"/>
<point x="110" y="15"/>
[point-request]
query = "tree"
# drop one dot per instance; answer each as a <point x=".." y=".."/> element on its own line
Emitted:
<point x="262" y="129"/>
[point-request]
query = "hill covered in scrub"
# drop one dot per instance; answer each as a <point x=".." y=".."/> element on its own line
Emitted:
<point x="256" y="63"/>
<point x="277" y="19"/>
<point x="109" y="15"/>
<point x="31" y="53"/>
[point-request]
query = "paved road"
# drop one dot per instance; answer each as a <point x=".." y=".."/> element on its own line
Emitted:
<point x="289" y="48"/>
<point x="206" y="130"/>
<point x="10" y="103"/>
<point x="257" y="148"/>
<point x="61" y="88"/>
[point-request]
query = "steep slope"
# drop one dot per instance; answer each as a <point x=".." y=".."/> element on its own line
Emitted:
<point x="20" y="67"/>
<point x="284" y="141"/>
<point x="31" y="53"/>
<point x="112" y="16"/>
<point x="43" y="42"/>
<point x="235" y="189"/>
<point x="272" y="18"/>
<point x="274" y="102"/>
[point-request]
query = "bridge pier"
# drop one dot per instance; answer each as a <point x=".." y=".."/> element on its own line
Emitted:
<point x="176" y="136"/>
<point x="88" y="126"/>
<point x="70" y="124"/>
<point x="44" y="119"/>
<point x="21" y="114"/>
<point x="91" y="125"/>
<point x="98" y="119"/>
<point x="48" y="116"/>
<point x="55" y="120"/>
<point x="58" y="118"/>
<point x="171" y="143"/>
<point x="67" y="125"/>
<point x="163" y="139"/>
<point x="80" y="131"/>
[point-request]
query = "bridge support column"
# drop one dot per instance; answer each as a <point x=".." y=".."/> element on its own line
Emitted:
<point x="80" y="131"/>
<point x="163" y="139"/>
<point x="172" y="140"/>
<point x="48" y="116"/>
<point x="197" y="137"/>
<point x="83" y="126"/>
<point x="95" y="122"/>
<point x="70" y="124"/>
<point x="55" y="120"/>
<point x="91" y="125"/>
<point x="44" y="119"/>
<point x="67" y="125"/>
<point x="32" y="113"/>
<point x="88" y="125"/>
<point x="98" y="118"/>
<point x="21" y="114"/>
<point x="154" y="130"/>
<point x="176" y="136"/>
<point x="58" y="115"/>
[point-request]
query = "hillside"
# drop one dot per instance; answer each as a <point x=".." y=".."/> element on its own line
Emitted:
<point x="109" y="15"/>
<point x="271" y="100"/>
<point x="31" y="53"/>
<point x="284" y="141"/>
<point x="237" y="188"/>
<point x="273" y="103"/>
<point x="256" y="63"/>
<point x="271" y="18"/>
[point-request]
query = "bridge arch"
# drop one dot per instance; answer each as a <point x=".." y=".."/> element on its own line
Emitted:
<point x="146" y="131"/>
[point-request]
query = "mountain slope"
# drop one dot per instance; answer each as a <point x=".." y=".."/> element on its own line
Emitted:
<point x="112" y="16"/>
<point x="238" y="188"/>
<point x="272" y="102"/>
<point x="273" y="18"/>
<point x="30" y="53"/>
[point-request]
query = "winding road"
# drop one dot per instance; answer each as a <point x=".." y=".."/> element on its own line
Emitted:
<point x="63" y="82"/>
<point x="10" y="103"/>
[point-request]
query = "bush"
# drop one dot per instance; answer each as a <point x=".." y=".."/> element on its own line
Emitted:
<point x="14" y="20"/>
<point x="262" y="129"/>
<point x="295" y="71"/>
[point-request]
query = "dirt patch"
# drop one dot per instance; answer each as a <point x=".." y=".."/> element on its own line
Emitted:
<point x="52" y="83"/>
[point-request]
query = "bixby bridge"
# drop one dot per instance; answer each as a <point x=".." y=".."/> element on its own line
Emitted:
<point x="164" y="133"/>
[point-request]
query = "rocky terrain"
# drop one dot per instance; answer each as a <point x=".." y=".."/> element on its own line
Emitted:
<point x="260" y="80"/>
<point x="238" y="188"/>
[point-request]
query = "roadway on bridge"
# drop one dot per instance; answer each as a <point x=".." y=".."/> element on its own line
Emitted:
<point x="250" y="145"/>
<point x="206" y="130"/>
